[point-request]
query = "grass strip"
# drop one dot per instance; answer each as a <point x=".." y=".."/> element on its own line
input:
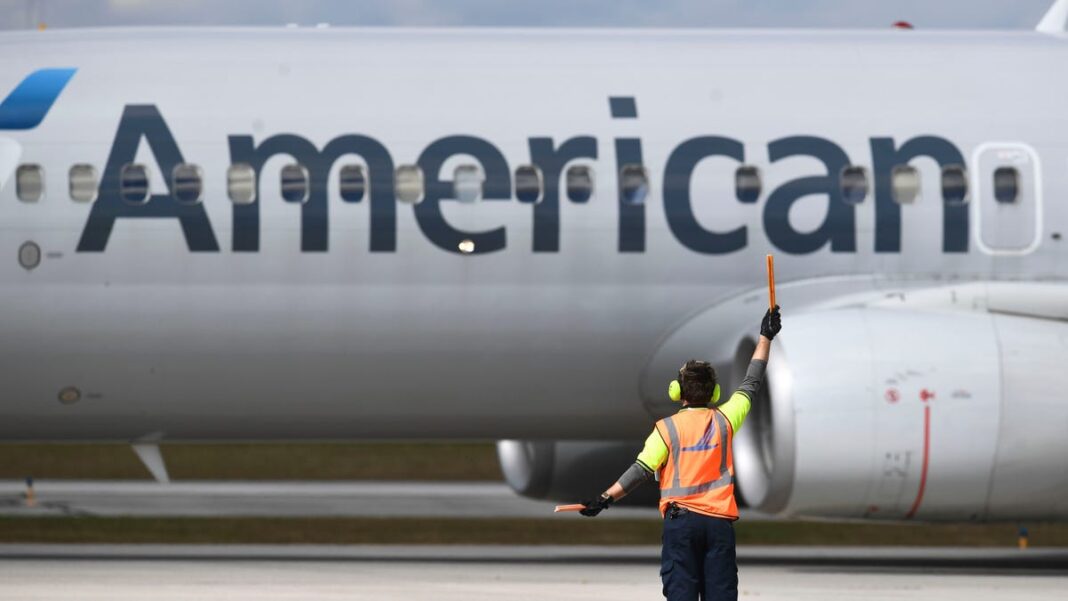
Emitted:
<point x="496" y="531"/>
<point x="257" y="461"/>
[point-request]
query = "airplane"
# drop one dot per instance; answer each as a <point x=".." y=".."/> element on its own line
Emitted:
<point x="262" y="234"/>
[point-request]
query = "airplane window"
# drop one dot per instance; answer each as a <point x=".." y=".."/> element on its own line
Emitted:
<point x="580" y="183"/>
<point x="854" y="185"/>
<point x="1006" y="184"/>
<point x="187" y="183"/>
<point x="954" y="185"/>
<point x="133" y="184"/>
<point x="83" y="183"/>
<point x="241" y="184"/>
<point x="634" y="183"/>
<point x="29" y="183"/>
<point x="747" y="184"/>
<point x="904" y="184"/>
<point x="528" y="182"/>
<point x="294" y="183"/>
<point x="408" y="181"/>
<point x="353" y="184"/>
<point x="29" y="255"/>
<point x="467" y="183"/>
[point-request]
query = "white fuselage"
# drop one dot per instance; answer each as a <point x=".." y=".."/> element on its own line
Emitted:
<point x="283" y="326"/>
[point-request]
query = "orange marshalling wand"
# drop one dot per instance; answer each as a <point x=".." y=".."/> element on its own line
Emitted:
<point x="771" y="282"/>
<point x="575" y="507"/>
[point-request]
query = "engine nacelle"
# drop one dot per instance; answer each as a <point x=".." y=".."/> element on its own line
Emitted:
<point x="569" y="471"/>
<point x="898" y="413"/>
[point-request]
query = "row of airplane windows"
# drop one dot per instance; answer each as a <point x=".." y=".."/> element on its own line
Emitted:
<point x="187" y="183"/>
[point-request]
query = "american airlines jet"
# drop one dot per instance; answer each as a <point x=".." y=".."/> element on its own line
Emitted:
<point x="309" y="234"/>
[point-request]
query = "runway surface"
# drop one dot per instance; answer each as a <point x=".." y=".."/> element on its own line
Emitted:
<point x="287" y="498"/>
<point x="534" y="573"/>
<point x="283" y="498"/>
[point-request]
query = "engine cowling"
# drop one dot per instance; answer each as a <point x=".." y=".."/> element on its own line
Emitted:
<point x="569" y="470"/>
<point x="895" y="413"/>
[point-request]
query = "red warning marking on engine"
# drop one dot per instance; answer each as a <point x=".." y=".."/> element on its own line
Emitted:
<point x="923" y="468"/>
<point x="892" y="395"/>
<point x="926" y="395"/>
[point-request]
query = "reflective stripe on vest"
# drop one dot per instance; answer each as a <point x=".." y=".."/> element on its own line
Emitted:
<point x="723" y="479"/>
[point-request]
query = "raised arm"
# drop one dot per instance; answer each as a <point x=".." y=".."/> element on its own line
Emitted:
<point x="737" y="407"/>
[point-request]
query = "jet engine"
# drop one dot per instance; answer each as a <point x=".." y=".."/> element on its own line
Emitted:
<point x="885" y="412"/>
<point x="569" y="470"/>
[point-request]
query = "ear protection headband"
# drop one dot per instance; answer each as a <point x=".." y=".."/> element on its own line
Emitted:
<point x="675" y="390"/>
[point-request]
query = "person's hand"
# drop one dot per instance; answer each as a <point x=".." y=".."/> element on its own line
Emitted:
<point x="771" y="324"/>
<point x="595" y="506"/>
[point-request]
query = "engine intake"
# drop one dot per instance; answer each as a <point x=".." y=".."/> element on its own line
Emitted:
<point x="886" y="413"/>
<point x="764" y="446"/>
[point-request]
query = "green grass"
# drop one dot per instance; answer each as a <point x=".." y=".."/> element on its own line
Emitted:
<point x="496" y="531"/>
<point x="259" y="461"/>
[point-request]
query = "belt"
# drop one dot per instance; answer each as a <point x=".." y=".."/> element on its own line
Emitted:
<point x="675" y="510"/>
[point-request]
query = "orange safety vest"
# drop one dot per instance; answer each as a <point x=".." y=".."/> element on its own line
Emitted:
<point x="699" y="471"/>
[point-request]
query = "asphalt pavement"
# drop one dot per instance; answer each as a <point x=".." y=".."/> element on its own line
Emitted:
<point x="464" y="573"/>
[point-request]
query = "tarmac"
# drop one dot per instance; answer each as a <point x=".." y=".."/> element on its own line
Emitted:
<point x="446" y="573"/>
<point x="121" y="572"/>
<point x="288" y="499"/>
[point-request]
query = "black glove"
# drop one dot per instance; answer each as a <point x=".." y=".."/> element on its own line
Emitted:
<point x="595" y="506"/>
<point x="771" y="324"/>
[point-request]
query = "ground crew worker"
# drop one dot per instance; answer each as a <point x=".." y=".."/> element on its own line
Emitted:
<point x="691" y="454"/>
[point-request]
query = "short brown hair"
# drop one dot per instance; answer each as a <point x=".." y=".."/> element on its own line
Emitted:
<point x="697" y="380"/>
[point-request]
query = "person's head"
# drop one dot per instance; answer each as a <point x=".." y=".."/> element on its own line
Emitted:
<point x="697" y="380"/>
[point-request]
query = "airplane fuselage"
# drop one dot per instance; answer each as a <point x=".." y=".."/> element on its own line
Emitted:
<point x="328" y="318"/>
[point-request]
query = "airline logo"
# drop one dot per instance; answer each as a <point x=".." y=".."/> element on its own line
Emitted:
<point x="144" y="123"/>
<point x="26" y="106"/>
<point x="29" y="103"/>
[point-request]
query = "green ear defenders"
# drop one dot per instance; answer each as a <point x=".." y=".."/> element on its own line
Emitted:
<point x="675" y="390"/>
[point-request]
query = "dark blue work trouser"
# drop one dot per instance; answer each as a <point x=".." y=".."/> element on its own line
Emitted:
<point x="697" y="559"/>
